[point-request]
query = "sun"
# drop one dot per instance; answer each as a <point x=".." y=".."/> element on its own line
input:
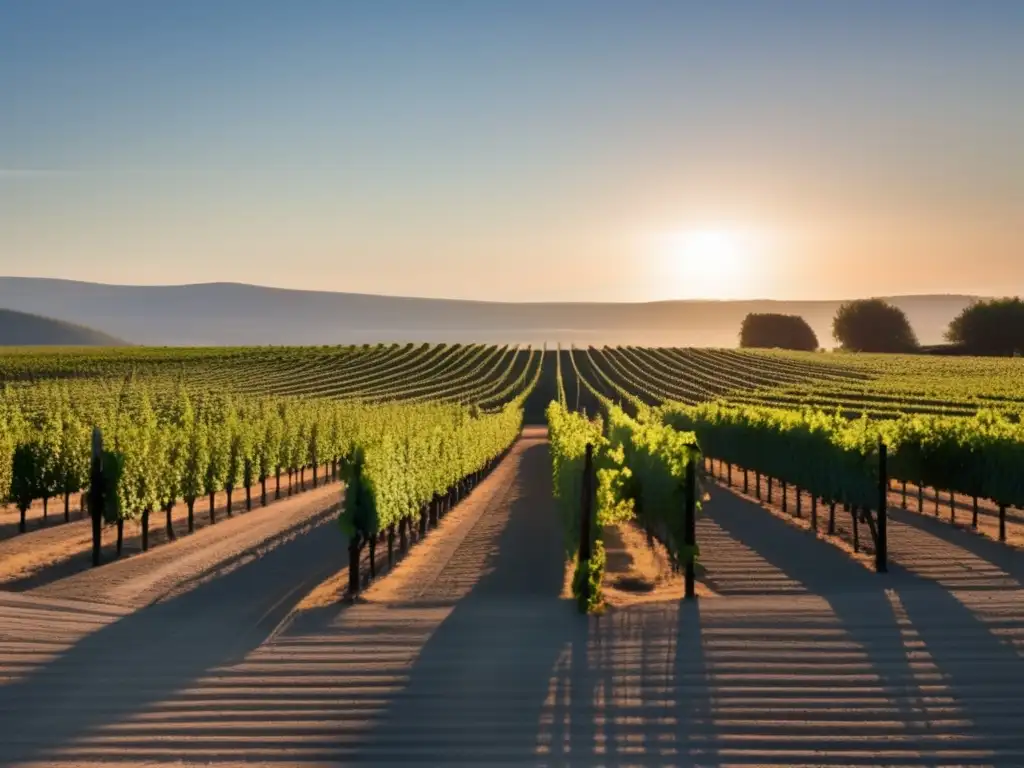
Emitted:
<point x="709" y="263"/>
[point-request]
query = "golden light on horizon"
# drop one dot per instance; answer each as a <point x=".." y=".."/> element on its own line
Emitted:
<point x="715" y="263"/>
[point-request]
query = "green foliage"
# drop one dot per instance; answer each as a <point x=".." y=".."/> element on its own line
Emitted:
<point x="267" y="441"/>
<point x="218" y="445"/>
<point x="872" y="325"/>
<point x="171" y="457"/>
<point x="831" y="457"/>
<point x="770" y="330"/>
<point x="990" y="327"/>
<point x="236" y="439"/>
<point x="587" y="580"/>
<point x="980" y="456"/>
<point x="10" y="434"/>
<point x="25" y="475"/>
<point x="569" y="434"/>
<point x="186" y="422"/>
<point x="113" y="474"/>
<point x="640" y="470"/>
<point x="656" y="458"/>
<point x="837" y="459"/>
<point x="406" y="454"/>
<point x="75" y="454"/>
<point x="196" y="459"/>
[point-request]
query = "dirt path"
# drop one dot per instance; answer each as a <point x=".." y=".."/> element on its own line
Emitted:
<point x="49" y="553"/>
<point x="466" y="654"/>
<point x="78" y="653"/>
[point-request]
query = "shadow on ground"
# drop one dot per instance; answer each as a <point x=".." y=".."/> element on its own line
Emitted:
<point x="142" y="659"/>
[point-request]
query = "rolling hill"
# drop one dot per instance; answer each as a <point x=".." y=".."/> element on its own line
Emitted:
<point x="238" y="314"/>
<point x="23" y="329"/>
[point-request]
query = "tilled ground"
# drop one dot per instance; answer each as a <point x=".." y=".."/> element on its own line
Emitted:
<point x="467" y="654"/>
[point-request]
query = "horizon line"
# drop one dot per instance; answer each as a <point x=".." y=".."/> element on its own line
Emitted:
<point x="708" y="300"/>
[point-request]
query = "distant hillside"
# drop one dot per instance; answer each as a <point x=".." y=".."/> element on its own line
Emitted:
<point x="21" y="329"/>
<point x="233" y="313"/>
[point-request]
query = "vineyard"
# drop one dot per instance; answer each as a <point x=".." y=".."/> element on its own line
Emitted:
<point x="187" y="433"/>
<point x="261" y="636"/>
<point x="858" y="432"/>
<point x="191" y="426"/>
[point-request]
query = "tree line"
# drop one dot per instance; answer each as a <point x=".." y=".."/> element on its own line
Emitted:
<point x="987" y="327"/>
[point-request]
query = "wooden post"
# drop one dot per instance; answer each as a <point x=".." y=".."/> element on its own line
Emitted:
<point x="757" y="484"/>
<point x="799" y="509"/>
<point x="882" y="545"/>
<point x="832" y="519"/>
<point x="746" y="480"/>
<point x="856" y="529"/>
<point x="814" y="513"/>
<point x="903" y="503"/>
<point x="96" y="499"/>
<point x="1002" y="522"/>
<point x="690" y="537"/>
<point x="585" y="513"/>
<point x="728" y="469"/>
<point x="974" y="517"/>
<point x="769" y="489"/>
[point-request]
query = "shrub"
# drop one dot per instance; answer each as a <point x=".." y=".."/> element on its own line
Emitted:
<point x="993" y="327"/>
<point x="777" y="331"/>
<point x="872" y="325"/>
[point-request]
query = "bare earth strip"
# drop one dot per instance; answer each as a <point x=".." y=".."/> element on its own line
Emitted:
<point x="78" y="650"/>
<point x="47" y="554"/>
<point x="466" y="654"/>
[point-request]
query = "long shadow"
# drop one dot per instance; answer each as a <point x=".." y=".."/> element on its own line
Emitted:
<point x="514" y="674"/>
<point x="480" y="682"/>
<point x="695" y="716"/>
<point x="80" y="561"/>
<point x="865" y="610"/>
<point x="35" y="522"/>
<point x="964" y="506"/>
<point x="144" y="658"/>
<point x="1009" y="559"/>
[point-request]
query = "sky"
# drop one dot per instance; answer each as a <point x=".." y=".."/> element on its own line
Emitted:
<point x="583" y="150"/>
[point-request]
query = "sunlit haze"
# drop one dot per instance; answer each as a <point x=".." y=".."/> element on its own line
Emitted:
<point x="529" y="151"/>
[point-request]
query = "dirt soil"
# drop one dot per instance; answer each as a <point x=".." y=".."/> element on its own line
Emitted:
<point x="640" y="572"/>
<point x="466" y="654"/>
<point x="47" y="554"/>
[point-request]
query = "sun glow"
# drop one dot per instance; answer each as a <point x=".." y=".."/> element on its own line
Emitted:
<point x="710" y="263"/>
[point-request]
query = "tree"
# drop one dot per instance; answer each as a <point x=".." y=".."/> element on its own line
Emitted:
<point x="234" y="464"/>
<point x="173" y="448"/>
<point x="316" y="442"/>
<point x="993" y="327"/>
<point x="48" y="438"/>
<point x="178" y="453"/>
<point x="218" y="447"/>
<point x="75" y="458"/>
<point x="10" y="430"/>
<point x="25" y="478"/>
<point x="872" y="325"/>
<point x="197" y="458"/>
<point x="777" y="331"/>
<point x="268" y="450"/>
<point x="249" y="433"/>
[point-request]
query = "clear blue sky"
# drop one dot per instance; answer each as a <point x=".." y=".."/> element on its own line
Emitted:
<point x="519" y="150"/>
